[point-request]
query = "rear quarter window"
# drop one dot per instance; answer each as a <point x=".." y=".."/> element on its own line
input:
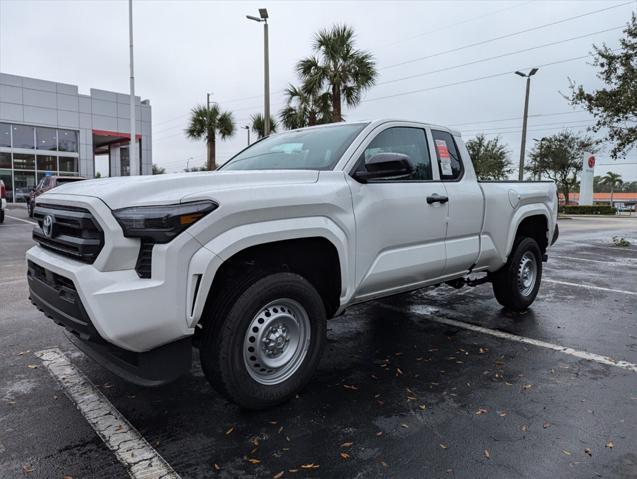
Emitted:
<point x="449" y="160"/>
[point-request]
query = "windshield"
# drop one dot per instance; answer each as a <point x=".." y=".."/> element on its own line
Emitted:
<point x="311" y="149"/>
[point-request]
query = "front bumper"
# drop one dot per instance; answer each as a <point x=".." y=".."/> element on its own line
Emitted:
<point x="57" y="297"/>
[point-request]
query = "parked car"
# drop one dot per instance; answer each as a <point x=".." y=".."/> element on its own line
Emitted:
<point x="3" y="200"/>
<point x="247" y="263"/>
<point x="21" y="194"/>
<point x="47" y="183"/>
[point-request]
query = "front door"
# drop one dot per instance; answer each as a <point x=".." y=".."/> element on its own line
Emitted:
<point x="400" y="236"/>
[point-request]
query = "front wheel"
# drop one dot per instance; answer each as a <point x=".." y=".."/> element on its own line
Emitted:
<point x="516" y="284"/>
<point x="263" y="343"/>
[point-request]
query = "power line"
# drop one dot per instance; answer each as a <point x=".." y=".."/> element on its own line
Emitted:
<point x="501" y="37"/>
<point x="515" y="118"/>
<point x="473" y="62"/>
<point x="462" y="82"/>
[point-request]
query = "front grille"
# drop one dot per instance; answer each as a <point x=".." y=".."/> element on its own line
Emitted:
<point x="74" y="231"/>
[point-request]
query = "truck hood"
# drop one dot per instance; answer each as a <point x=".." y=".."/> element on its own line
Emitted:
<point x="120" y="192"/>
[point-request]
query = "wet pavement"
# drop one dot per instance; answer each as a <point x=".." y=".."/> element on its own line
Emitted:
<point x="397" y="394"/>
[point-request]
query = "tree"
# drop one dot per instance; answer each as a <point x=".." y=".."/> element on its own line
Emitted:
<point x="559" y="158"/>
<point x="193" y="169"/>
<point x="158" y="170"/>
<point x="208" y="123"/>
<point x="614" y="106"/>
<point x="306" y="106"/>
<point x="339" y="67"/>
<point x="613" y="181"/>
<point x="258" y="125"/>
<point x="490" y="158"/>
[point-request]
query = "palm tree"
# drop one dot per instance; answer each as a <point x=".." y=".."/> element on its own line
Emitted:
<point x="338" y="66"/>
<point x="613" y="180"/>
<point x="306" y="107"/>
<point x="208" y="122"/>
<point x="258" y="125"/>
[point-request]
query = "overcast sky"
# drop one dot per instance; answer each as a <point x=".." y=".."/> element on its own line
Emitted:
<point x="184" y="49"/>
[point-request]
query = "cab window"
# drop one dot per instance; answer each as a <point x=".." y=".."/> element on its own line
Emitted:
<point x="406" y="140"/>
<point x="449" y="161"/>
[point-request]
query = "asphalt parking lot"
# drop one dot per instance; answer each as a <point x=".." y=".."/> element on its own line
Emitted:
<point x="436" y="383"/>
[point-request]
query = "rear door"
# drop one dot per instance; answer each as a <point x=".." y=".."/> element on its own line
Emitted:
<point x="399" y="235"/>
<point x="466" y="203"/>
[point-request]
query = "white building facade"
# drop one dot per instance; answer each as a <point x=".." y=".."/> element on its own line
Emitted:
<point x="49" y="128"/>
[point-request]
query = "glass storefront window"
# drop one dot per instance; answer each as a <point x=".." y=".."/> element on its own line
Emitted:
<point x="5" y="135"/>
<point x="47" y="163"/>
<point x="46" y="139"/>
<point x="22" y="161"/>
<point x="5" y="160"/>
<point x="68" y="164"/>
<point x="5" y="175"/>
<point x="67" y="140"/>
<point x="124" y="161"/>
<point x="23" y="136"/>
<point x="24" y="182"/>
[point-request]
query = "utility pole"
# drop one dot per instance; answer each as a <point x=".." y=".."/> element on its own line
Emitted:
<point x="208" y="162"/>
<point x="263" y="18"/>
<point x="134" y="167"/>
<point x="525" y="118"/>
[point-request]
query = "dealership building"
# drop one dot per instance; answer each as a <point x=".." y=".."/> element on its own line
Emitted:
<point x="49" y="128"/>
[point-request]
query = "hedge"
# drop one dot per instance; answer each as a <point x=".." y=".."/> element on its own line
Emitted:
<point x="588" y="210"/>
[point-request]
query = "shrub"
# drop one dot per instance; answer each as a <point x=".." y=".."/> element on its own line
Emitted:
<point x="588" y="210"/>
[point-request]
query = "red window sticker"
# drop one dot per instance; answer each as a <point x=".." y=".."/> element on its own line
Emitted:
<point x="445" y="158"/>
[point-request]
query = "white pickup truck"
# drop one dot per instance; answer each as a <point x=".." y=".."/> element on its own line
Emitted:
<point x="247" y="263"/>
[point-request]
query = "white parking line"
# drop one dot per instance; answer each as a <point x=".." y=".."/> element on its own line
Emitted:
<point x="523" y="339"/>
<point x="20" y="219"/>
<point x="130" y="448"/>
<point x="589" y="286"/>
<point x="610" y="263"/>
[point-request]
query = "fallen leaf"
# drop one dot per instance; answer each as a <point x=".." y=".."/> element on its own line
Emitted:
<point x="280" y="430"/>
<point x="566" y="452"/>
<point x="384" y="464"/>
<point x="483" y="350"/>
<point x="487" y="454"/>
<point x="527" y="386"/>
<point x="229" y="431"/>
<point x="481" y="411"/>
<point x="274" y="423"/>
<point x="350" y="386"/>
<point x="502" y="413"/>
<point x="347" y="444"/>
<point x="344" y="455"/>
<point x="524" y="428"/>
<point x="310" y="466"/>
<point x="216" y="466"/>
<point x="32" y="366"/>
<point x="293" y="470"/>
<point x="379" y="433"/>
<point x="254" y="461"/>
<point x="610" y="445"/>
<point x="588" y="451"/>
<point x="546" y="425"/>
<point x="423" y="407"/>
<point x="444" y="446"/>
<point x="26" y="469"/>
<point x="404" y="425"/>
<point x="399" y="372"/>
<point x="278" y="475"/>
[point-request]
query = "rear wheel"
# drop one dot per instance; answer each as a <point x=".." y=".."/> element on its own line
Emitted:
<point x="1" y="216"/>
<point x="263" y="343"/>
<point x="516" y="284"/>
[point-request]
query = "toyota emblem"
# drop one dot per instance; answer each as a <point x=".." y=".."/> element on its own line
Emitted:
<point x="47" y="226"/>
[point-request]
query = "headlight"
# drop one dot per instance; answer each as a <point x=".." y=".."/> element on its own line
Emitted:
<point x="161" y="223"/>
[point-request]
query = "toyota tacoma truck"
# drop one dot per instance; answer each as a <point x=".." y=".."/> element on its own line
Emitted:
<point x="247" y="263"/>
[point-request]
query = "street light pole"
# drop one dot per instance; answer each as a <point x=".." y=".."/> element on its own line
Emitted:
<point x="247" y="128"/>
<point x="132" y="149"/>
<point x="525" y="119"/>
<point x="263" y="18"/>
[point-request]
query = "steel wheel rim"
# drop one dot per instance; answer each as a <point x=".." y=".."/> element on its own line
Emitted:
<point x="527" y="273"/>
<point x="276" y="341"/>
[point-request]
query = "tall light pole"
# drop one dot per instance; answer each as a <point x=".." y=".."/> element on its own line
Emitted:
<point x="263" y="18"/>
<point x="247" y="128"/>
<point x="526" y="116"/>
<point x="132" y="149"/>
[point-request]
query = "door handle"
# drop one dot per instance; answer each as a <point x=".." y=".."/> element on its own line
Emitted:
<point x="435" y="198"/>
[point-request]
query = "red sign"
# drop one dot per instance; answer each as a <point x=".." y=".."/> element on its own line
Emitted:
<point x="591" y="161"/>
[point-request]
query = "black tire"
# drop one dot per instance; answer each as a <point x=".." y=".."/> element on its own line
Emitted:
<point x="224" y="335"/>
<point x="1" y="216"/>
<point x="508" y="281"/>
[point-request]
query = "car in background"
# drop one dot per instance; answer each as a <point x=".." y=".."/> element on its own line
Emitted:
<point x="47" y="183"/>
<point x="3" y="200"/>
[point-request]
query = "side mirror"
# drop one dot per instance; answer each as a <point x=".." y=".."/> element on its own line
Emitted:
<point x="385" y="166"/>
